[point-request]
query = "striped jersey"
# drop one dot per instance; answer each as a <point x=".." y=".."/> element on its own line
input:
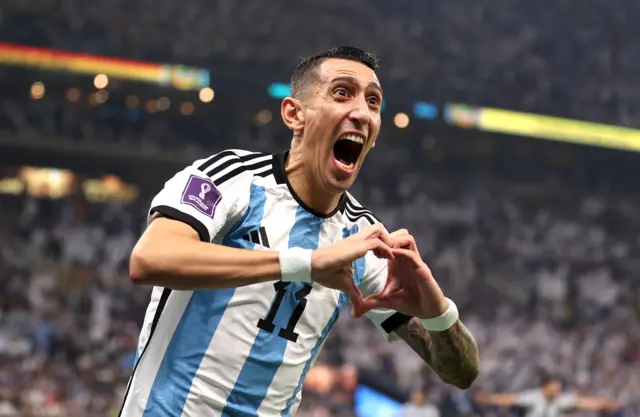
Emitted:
<point x="537" y="405"/>
<point x="244" y="351"/>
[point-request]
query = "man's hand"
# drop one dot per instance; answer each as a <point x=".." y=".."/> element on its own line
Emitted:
<point x="332" y="266"/>
<point x="410" y="287"/>
<point x="412" y="290"/>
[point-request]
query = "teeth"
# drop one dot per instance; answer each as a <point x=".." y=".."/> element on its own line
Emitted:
<point x="354" y="138"/>
<point x="348" y="166"/>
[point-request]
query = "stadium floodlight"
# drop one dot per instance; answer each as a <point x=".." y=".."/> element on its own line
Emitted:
<point x="100" y="81"/>
<point x="424" y="110"/>
<point x="279" y="90"/>
<point x="206" y="95"/>
<point x="401" y="120"/>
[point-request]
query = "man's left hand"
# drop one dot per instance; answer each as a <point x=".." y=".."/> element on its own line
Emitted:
<point x="410" y="288"/>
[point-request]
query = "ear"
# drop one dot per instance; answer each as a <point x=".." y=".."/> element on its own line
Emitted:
<point x="292" y="114"/>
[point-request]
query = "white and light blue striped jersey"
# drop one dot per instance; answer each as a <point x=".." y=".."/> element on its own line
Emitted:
<point x="244" y="351"/>
<point x="537" y="405"/>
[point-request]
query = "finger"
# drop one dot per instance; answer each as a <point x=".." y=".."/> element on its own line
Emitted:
<point x="372" y="231"/>
<point x="398" y="233"/>
<point x="379" y="248"/>
<point x="376" y="231"/>
<point x="384" y="236"/>
<point x="378" y="253"/>
<point x="404" y="241"/>
<point x="407" y="255"/>
<point x="354" y="294"/>
<point x="387" y="294"/>
<point x="375" y="301"/>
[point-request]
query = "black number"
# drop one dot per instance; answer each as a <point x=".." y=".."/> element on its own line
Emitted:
<point x="288" y="333"/>
<point x="266" y="324"/>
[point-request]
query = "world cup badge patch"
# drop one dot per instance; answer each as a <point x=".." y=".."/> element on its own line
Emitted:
<point x="201" y="194"/>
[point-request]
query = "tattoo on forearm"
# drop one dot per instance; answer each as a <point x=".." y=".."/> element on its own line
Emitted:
<point x="452" y="354"/>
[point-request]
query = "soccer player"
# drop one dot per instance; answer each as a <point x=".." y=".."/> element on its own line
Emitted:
<point x="252" y="256"/>
<point x="548" y="400"/>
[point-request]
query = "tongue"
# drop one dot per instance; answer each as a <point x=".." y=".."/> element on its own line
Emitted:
<point x="343" y="161"/>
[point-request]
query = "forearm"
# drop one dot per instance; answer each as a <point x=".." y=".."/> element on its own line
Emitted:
<point x="596" y="403"/>
<point x="188" y="264"/>
<point x="452" y="354"/>
<point x="503" y="400"/>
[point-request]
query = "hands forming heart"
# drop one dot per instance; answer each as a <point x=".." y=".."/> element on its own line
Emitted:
<point x="410" y="288"/>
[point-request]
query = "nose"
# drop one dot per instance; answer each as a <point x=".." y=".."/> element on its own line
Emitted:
<point x="360" y="114"/>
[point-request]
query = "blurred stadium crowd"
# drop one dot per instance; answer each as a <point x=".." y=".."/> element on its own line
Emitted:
<point x="545" y="273"/>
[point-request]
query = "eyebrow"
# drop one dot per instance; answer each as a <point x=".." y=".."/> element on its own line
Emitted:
<point x="354" y="80"/>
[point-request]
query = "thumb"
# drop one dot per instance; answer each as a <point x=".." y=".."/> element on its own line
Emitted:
<point x="377" y="301"/>
<point x="355" y="297"/>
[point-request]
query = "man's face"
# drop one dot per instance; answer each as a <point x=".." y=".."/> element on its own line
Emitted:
<point x="341" y="117"/>
<point x="552" y="389"/>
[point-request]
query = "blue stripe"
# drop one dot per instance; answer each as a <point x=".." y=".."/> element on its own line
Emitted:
<point x="358" y="276"/>
<point x="197" y="326"/>
<point x="358" y="264"/>
<point x="314" y="352"/>
<point x="267" y="352"/>
<point x="135" y="359"/>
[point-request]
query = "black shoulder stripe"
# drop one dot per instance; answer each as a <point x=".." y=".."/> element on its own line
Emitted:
<point x="355" y="209"/>
<point x="242" y="168"/>
<point x="252" y="156"/>
<point x="215" y="158"/>
<point x="368" y="217"/>
<point x="264" y="174"/>
<point x="217" y="166"/>
<point x="354" y="214"/>
<point x="224" y="165"/>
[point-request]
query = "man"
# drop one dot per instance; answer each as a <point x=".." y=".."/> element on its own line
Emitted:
<point x="419" y="405"/>
<point x="548" y="400"/>
<point x="253" y="256"/>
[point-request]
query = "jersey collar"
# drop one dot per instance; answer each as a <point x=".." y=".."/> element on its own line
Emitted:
<point x="279" y="161"/>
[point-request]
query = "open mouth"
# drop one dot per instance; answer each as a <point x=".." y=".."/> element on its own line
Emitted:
<point x="347" y="150"/>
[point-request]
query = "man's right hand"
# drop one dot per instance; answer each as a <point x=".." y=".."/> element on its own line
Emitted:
<point x="332" y="266"/>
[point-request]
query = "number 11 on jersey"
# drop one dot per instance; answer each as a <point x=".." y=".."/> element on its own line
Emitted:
<point x="288" y="333"/>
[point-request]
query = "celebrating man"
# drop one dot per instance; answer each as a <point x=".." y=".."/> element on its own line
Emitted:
<point x="252" y="256"/>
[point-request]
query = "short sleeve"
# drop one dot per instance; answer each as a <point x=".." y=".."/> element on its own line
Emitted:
<point x="375" y="278"/>
<point x="567" y="401"/>
<point x="528" y="398"/>
<point x="208" y="195"/>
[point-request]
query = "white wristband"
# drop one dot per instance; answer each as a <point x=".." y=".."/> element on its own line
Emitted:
<point x="444" y="321"/>
<point x="295" y="265"/>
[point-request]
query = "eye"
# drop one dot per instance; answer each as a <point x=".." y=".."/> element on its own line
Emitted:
<point x="374" y="101"/>
<point x="341" y="91"/>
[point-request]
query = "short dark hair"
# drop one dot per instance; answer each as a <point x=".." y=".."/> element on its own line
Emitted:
<point x="306" y="70"/>
<point x="547" y="376"/>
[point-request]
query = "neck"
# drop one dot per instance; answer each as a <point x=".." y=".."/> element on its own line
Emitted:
<point x="306" y="187"/>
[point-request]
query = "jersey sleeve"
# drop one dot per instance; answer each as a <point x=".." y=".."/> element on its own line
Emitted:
<point x="528" y="398"/>
<point x="209" y="195"/>
<point x="567" y="401"/>
<point x="375" y="278"/>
